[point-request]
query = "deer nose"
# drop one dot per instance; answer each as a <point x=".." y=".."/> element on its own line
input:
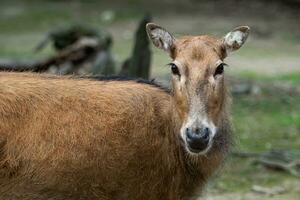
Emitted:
<point x="197" y="138"/>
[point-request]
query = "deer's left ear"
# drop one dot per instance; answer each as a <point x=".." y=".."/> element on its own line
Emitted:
<point x="236" y="38"/>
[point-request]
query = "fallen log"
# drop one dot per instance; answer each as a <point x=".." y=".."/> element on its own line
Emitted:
<point x="76" y="53"/>
<point x="282" y="160"/>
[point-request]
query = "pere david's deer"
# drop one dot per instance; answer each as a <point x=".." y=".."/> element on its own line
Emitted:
<point x="76" y="138"/>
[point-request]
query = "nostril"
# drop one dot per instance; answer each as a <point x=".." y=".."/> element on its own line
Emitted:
<point x="198" y="135"/>
<point x="205" y="135"/>
<point x="206" y="130"/>
<point x="188" y="133"/>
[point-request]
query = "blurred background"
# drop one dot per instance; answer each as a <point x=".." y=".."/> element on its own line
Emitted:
<point x="108" y="37"/>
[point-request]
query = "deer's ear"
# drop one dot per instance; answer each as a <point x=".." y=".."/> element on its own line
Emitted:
<point x="236" y="38"/>
<point x="161" y="38"/>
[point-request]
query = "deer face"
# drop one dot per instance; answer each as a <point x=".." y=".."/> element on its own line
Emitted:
<point x="199" y="92"/>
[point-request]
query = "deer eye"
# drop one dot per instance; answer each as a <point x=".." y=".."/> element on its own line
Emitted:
<point x="174" y="69"/>
<point x="219" y="69"/>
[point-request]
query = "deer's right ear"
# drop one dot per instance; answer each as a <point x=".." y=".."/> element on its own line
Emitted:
<point x="160" y="37"/>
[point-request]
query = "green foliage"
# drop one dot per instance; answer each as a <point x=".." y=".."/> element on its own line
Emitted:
<point x="261" y="123"/>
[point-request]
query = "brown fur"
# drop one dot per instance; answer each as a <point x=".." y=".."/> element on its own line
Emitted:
<point x="68" y="138"/>
<point x="196" y="57"/>
<point x="64" y="138"/>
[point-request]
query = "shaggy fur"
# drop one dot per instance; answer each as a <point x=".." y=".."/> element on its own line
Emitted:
<point x="66" y="138"/>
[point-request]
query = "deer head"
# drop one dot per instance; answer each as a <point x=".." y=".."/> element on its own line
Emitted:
<point x="198" y="87"/>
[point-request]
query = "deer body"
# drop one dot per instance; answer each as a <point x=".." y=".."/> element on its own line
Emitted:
<point x="64" y="138"/>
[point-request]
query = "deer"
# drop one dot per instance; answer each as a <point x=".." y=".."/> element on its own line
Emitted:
<point x="112" y="138"/>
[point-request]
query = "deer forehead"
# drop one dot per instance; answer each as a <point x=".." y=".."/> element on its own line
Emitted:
<point x="196" y="55"/>
<point x="198" y="51"/>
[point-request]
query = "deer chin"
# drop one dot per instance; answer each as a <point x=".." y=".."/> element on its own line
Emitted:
<point x="196" y="151"/>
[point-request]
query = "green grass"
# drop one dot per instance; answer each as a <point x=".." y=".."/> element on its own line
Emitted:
<point x="241" y="174"/>
<point x="261" y="123"/>
<point x="268" y="120"/>
<point x="266" y="49"/>
<point x="290" y="78"/>
<point x="293" y="78"/>
<point x="42" y="16"/>
<point x="25" y="24"/>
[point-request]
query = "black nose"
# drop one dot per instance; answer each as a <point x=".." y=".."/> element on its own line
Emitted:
<point x="197" y="138"/>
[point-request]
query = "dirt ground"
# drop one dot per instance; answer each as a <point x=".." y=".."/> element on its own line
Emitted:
<point x="291" y="191"/>
<point x="250" y="196"/>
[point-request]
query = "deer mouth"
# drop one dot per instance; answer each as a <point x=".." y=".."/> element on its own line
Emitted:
<point x="198" y="147"/>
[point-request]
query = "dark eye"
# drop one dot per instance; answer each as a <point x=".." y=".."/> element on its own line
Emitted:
<point x="219" y="70"/>
<point x="174" y="69"/>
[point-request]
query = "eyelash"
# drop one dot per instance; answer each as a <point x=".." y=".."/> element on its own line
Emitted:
<point x="220" y="69"/>
<point x="174" y="69"/>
